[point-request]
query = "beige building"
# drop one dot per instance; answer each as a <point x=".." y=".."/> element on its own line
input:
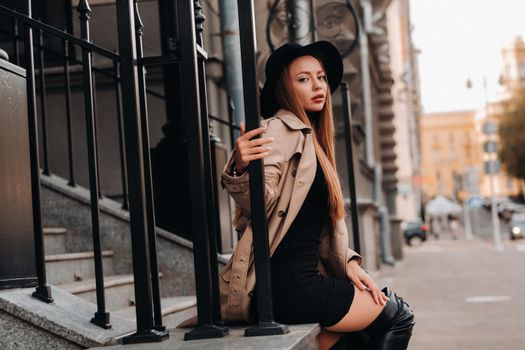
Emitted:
<point x="407" y="109"/>
<point x="453" y="160"/>
<point x="513" y="56"/>
<point x="450" y="153"/>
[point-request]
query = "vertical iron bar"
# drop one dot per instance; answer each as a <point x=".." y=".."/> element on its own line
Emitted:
<point x="123" y="167"/>
<point x="42" y="85"/>
<point x="313" y="19"/>
<point x="214" y="141"/>
<point x="266" y="324"/>
<point x="101" y="317"/>
<point x="146" y="331"/>
<point x="67" y="83"/>
<point x="16" y="47"/>
<point x="209" y="179"/>
<point x="232" y="124"/>
<point x="43" y="290"/>
<point x="196" y="165"/>
<point x="94" y="84"/>
<point x="150" y="209"/>
<point x="347" y="116"/>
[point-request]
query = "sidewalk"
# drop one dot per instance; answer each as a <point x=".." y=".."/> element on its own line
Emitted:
<point x="464" y="294"/>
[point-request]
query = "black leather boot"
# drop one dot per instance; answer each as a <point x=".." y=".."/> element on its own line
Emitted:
<point x="392" y="329"/>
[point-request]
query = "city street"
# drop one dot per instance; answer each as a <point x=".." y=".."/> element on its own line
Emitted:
<point x="464" y="294"/>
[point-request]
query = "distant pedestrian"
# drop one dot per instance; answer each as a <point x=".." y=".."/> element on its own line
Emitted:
<point x="454" y="226"/>
<point x="435" y="227"/>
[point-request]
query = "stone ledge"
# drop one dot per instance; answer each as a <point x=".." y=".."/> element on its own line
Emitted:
<point x="68" y="317"/>
<point x="303" y="337"/>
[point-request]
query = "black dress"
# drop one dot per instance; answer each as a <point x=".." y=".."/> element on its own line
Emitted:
<point x="300" y="293"/>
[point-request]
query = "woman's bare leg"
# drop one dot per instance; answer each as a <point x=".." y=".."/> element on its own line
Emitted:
<point x="361" y="314"/>
<point x="327" y="338"/>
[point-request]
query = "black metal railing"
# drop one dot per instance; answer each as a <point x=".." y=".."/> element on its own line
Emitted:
<point x="101" y="317"/>
<point x="266" y="324"/>
<point x="128" y="70"/>
<point x="137" y="173"/>
<point x="347" y="117"/>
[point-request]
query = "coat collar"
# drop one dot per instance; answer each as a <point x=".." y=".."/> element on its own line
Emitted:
<point x="291" y="120"/>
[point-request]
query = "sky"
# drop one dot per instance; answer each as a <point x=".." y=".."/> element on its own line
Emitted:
<point x="461" y="39"/>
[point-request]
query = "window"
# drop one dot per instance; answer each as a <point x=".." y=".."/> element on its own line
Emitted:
<point x="521" y="70"/>
<point x="451" y="146"/>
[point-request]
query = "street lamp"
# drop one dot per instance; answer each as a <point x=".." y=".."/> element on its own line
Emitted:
<point x="490" y="129"/>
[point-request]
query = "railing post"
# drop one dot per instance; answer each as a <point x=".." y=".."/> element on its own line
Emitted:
<point x="67" y="83"/>
<point x="121" y="142"/>
<point x="43" y="103"/>
<point x="43" y="290"/>
<point x="266" y="324"/>
<point x="101" y="317"/>
<point x="146" y="331"/>
<point x="214" y="228"/>
<point x="347" y="117"/>
<point x="16" y="47"/>
<point x="197" y="163"/>
<point x="150" y="209"/>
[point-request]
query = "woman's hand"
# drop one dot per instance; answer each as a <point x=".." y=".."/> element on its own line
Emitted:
<point x="247" y="150"/>
<point x="363" y="281"/>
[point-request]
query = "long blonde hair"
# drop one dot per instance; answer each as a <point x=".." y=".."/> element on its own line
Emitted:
<point x="323" y="139"/>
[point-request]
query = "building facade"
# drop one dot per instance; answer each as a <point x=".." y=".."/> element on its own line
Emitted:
<point x="450" y="153"/>
<point x="453" y="159"/>
<point x="407" y="109"/>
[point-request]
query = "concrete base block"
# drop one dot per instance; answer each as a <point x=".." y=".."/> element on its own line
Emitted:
<point x="16" y="334"/>
<point x="66" y="320"/>
<point x="303" y="337"/>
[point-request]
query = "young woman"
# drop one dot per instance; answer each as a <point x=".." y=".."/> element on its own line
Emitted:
<point x="315" y="276"/>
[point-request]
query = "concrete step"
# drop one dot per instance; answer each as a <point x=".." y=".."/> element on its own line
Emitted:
<point x="119" y="291"/>
<point x="174" y="310"/>
<point x="55" y="240"/>
<point x="171" y="321"/>
<point x="70" y="267"/>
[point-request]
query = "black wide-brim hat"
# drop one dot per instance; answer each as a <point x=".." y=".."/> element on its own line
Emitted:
<point x="280" y="58"/>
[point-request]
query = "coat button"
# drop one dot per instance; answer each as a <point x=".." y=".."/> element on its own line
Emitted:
<point x="280" y="213"/>
<point x="294" y="172"/>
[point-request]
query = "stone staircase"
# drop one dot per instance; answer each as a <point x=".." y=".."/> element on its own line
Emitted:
<point x="75" y="274"/>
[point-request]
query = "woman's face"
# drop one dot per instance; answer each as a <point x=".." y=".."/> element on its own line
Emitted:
<point x="309" y="83"/>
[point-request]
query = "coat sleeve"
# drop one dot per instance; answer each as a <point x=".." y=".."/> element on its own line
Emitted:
<point x="334" y="252"/>
<point x="239" y="187"/>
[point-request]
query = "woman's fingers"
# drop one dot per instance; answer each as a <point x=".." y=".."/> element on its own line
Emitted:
<point x="247" y="135"/>
<point x="260" y="141"/>
<point x="255" y="156"/>
<point x="355" y="278"/>
<point x="243" y="128"/>
<point x="255" y="150"/>
<point x="377" y="294"/>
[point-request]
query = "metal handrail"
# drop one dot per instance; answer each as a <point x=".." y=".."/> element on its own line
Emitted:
<point x="58" y="33"/>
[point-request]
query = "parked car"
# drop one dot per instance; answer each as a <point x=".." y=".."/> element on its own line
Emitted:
<point x="517" y="226"/>
<point x="415" y="232"/>
<point x="507" y="209"/>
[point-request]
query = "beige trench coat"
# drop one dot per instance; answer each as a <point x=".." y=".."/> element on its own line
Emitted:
<point x="289" y="170"/>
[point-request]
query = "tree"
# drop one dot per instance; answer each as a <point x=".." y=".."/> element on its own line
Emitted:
<point x="511" y="135"/>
